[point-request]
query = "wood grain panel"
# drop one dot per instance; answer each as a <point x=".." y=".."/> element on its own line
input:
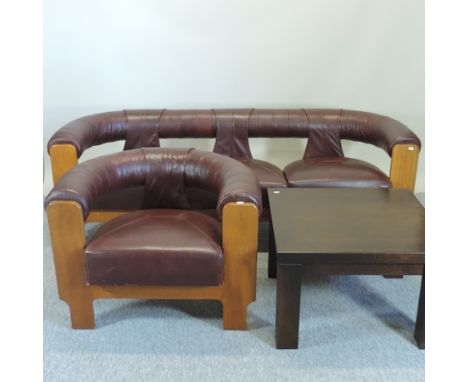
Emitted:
<point x="63" y="157"/>
<point x="68" y="242"/>
<point x="240" y="239"/>
<point x="404" y="166"/>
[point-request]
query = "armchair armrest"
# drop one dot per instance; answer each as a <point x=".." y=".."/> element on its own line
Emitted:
<point x="164" y="172"/>
<point x="229" y="178"/>
<point x="88" y="181"/>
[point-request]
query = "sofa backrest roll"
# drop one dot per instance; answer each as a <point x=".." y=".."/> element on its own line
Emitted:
<point x="232" y="128"/>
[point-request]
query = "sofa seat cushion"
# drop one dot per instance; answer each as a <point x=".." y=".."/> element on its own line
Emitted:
<point x="268" y="175"/>
<point x="335" y="172"/>
<point x="156" y="247"/>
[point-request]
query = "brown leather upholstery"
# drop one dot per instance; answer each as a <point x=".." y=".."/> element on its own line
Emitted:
<point x="335" y="172"/>
<point x="130" y="199"/>
<point x="126" y="199"/>
<point x="232" y="128"/>
<point x="324" y="129"/>
<point x="142" y="129"/>
<point x="146" y="248"/>
<point x="268" y="175"/>
<point x="157" y="253"/>
<point x="165" y="175"/>
<point x="232" y="133"/>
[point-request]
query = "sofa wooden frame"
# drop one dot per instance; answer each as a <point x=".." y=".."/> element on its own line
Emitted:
<point x="403" y="166"/>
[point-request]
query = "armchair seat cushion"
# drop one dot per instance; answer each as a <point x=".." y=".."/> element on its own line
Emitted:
<point x="335" y="172"/>
<point x="156" y="247"/>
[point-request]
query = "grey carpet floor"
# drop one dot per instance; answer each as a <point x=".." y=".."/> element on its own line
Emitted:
<point x="352" y="328"/>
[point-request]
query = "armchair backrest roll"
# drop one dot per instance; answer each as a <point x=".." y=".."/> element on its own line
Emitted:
<point x="165" y="174"/>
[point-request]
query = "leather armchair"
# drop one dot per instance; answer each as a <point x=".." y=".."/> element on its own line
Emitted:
<point x="165" y="250"/>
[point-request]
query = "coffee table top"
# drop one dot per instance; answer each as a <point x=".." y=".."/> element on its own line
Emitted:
<point x="337" y="224"/>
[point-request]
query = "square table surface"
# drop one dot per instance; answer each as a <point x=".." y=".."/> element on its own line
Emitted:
<point x="347" y="225"/>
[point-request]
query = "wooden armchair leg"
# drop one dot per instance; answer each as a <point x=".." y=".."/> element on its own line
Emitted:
<point x="81" y="312"/>
<point x="234" y="315"/>
<point x="68" y="242"/>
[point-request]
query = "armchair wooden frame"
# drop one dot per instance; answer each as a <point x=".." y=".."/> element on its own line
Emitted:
<point x="239" y="241"/>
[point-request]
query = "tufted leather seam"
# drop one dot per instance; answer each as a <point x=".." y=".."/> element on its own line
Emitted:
<point x="158" y="123"/>
<point x="212" y="242"/>
<point x="184" y="174"/>
<point x="247" y="128"/>
<point x="231" y="135"/>
<point x="340" y="123"/>
<point x="126" y="124"/>
<point x="216" y="246"/>
<point x="149" y="136"/>
<point x="111" y="231"/>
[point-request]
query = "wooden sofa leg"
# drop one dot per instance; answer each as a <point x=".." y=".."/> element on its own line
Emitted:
<point x="234" y="315"/>
<point x="81" y="312"/>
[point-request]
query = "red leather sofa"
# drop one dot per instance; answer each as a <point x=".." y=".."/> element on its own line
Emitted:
<point x="322" y="164"/>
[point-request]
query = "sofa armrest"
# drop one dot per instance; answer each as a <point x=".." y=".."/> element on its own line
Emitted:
<point x="91" y="130"/>
<point x="378" y="130"/>
<point x="70" y="141"/>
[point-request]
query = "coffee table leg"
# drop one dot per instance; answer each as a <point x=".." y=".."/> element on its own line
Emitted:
<point x="419" y="332"/>
<point x="288" y="299"/>
<point x="271" y="252"/>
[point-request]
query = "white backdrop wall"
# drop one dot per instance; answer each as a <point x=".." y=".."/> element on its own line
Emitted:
<point x="102" y="55"/>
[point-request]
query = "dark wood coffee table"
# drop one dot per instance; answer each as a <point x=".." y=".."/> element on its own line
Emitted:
<point x="341" y="232"/>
